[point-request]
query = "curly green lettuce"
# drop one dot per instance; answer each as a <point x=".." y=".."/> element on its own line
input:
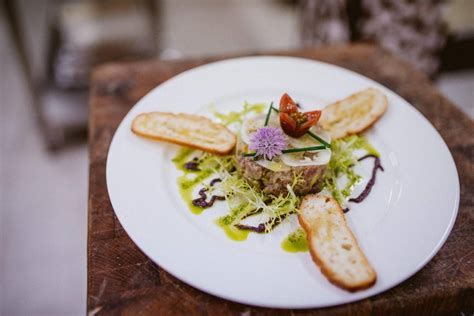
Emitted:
<point x="343" y="159"/>
<point x="237" y="117"/>
<point x="242" y="198"/>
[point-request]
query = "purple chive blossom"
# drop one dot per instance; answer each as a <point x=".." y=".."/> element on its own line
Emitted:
<point x="268" y="142"/>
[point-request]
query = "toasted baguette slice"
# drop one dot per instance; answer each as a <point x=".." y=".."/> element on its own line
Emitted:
<point x="185" y="129"/>
<point x="332" y="245"/>
<point x="354" y="114"/>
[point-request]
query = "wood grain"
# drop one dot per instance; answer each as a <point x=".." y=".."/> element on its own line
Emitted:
<point x="123" y="281"/>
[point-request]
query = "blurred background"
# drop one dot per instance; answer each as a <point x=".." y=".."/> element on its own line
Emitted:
<point x="48" y="48"/>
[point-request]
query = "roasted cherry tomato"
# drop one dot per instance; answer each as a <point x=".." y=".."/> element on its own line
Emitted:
<point x="293" y="122"/>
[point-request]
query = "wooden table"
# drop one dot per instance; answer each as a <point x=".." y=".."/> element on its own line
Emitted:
<point x="122" y="280"/>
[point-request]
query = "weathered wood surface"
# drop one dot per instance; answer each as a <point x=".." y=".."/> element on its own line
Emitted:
<point x="122" y="280"/>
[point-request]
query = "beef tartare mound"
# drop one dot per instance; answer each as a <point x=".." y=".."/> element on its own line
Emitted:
<point x="283" y="148"/>
<point x="276" y="182"/>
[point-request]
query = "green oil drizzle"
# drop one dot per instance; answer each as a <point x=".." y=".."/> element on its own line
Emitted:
<point x="364" y="144"/>
<point x="181" y="158"/>
<point x="187" y="184"/>
<point x="189" y="179"/>
<point x="232" y="232"/>
<point x="295" y="242"/>
<point x="227" y="222"/>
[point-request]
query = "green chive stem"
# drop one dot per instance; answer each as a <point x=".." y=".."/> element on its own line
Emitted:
<point x="319" y="139"/>
<point x="295" y="150"/>
<point x="292" y="150"/>
<point x="268" y="114"/>
<point x="249" y="154"/>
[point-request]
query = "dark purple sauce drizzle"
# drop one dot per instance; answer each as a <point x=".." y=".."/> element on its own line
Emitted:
<point x="202" y="200"/>
<point x="214" y="181"/>
<point x="255" y="211"/>
<point x="370" y="184"/>
<point x="260" y="228"/>
<point x="192" y="165"/>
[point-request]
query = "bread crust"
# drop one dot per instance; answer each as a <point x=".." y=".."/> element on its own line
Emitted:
<point x="228" y="145"/>
<point x="316" y="256"/>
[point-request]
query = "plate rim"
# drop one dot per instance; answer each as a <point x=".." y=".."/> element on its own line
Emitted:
<point x="366" y="295"/>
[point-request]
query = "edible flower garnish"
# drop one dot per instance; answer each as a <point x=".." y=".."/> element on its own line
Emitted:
<point x="268" y="142"/>
<point x="293" y="122"/>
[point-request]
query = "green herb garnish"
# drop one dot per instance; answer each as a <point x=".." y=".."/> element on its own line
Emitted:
<point x="319" y="139"/>
<point x="295" y="150"/>
<point x="268" y="114"/>
<point x="234" y="117"/>
<point x="292" y="150"/>
<point x="340" y="177"/>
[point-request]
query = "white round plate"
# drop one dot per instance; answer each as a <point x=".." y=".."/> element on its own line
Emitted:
<point x="400" y="226"/>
